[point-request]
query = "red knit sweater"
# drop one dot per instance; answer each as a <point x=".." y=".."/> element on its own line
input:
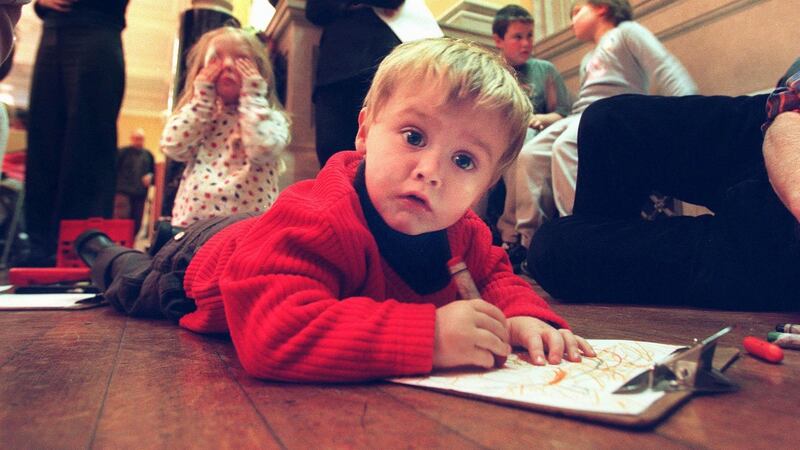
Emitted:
<point x="306" y="296"/>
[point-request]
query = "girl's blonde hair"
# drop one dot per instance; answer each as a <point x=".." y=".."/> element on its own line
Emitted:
<point x="464" y="71"/>
<point x="256" y="49"/>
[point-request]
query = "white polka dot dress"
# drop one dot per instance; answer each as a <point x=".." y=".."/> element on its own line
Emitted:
<point x="232" y="153"/>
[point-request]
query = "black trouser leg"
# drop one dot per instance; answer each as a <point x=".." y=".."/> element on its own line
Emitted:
<point x="704" y="150"/>
<point x="45" y="140"/>
<point x="336" y="109"/>
<point x="693" y="148"/>
<point x="76" y="94"/>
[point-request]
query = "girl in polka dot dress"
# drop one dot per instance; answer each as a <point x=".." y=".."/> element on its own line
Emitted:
<point x="229" y="129"/>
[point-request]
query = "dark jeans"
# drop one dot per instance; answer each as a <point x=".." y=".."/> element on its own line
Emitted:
<point x="704" y="150"/>
<point x="336" y="108"/>
<point x="76" y="92"/>
<point x="142" y="285"/>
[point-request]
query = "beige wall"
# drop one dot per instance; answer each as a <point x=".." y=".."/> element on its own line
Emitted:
<point x="730" y="47"/>
<point x="440" y="7"/>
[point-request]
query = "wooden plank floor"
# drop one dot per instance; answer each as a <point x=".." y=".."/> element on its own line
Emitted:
<point x="96" y="379"/>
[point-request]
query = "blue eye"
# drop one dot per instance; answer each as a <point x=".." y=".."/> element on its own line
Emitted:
<point x="414" y="138"/>
<point x="464" y="162"/>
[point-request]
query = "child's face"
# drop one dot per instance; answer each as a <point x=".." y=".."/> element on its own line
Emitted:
<point x="585" y="18"/>
<point x="426" y="164"/>
<point x="517" y="44"/>
<point x="226" y="49"/>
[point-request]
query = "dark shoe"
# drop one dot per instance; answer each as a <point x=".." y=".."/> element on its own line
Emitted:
<point x="89" y="244"/>
<point x="28" y="253"/>
<point x="658" y="207"/>
<point x="523" y="269"/>
<point x="516" y="253"/>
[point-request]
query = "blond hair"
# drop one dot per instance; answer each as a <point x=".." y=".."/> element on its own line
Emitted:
<point x="256" y="49"/>
<point x="466" y="72"/>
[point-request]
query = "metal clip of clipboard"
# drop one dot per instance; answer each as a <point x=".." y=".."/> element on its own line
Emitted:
<point x="688" y="369"/>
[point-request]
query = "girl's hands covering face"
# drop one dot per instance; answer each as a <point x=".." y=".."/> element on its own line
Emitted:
<point x="210" y="72"/>
<point x="247" y="68"/>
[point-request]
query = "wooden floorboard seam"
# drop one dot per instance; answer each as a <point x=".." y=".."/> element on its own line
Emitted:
<point x="252" y="403"/>
<point x="455" y="431"/>
<point x="114" y="365"/>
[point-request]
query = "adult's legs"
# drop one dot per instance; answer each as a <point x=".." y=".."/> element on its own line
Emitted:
<point x="94" y="82"/>
<point x="47" y="115"/>
<point x="704" y="261"/>
<point x="336" y="109"/>
<point x="76" y="93"/>
<point x="137" y="212"/>
<point x="122" y="206"/>
<point x="692" y="148"/>
<point x="706" y="150"/>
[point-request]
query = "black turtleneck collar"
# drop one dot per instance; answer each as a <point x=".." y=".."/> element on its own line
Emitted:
<point x="421" y="261"/>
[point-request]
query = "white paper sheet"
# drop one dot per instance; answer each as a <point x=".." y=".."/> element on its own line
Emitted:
<point x="584" y="386"/>
<point x="43" y="301"/>
<point x="411" y="21"/>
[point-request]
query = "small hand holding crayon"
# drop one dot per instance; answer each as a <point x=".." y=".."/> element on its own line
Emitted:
<point x="468" y="290"/>
<point x="469" y="333"/>
<point x="529" y="332"/>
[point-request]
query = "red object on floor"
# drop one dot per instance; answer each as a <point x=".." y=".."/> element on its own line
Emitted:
<point x="26" y="276"/>
<point x="763" y="349"/>
<point x="119" y="230"/>
<point x="13" y="165"/>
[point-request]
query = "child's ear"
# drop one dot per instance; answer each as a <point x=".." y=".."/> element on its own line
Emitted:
<point x="363" y="129"/>
<point x="498" y="40"/>
<point x="602" y="11"/>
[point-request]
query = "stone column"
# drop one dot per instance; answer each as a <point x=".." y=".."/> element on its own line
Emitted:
<point x="298" y="42"/>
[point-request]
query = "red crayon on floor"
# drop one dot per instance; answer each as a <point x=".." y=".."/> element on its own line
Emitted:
<point x="788" y="328"/>
<point x="467" y="290"/>
<point x="763" y="349"/>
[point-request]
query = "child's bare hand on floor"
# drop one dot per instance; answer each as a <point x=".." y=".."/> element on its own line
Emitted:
<point x="469" y="333"/>
<point x="537" y="336"/>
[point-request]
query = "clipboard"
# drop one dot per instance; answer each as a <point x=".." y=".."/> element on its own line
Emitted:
<point x="651" y="395"/>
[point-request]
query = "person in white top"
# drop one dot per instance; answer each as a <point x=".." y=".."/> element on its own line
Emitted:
<point x="625" y="59"/>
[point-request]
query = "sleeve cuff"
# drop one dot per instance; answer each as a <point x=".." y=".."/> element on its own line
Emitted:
<point x="204" y="93"/>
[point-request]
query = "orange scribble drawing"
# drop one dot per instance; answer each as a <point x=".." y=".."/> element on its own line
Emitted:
<point x="560" y="375"/>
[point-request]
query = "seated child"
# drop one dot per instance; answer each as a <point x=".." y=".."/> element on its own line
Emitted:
<point x="228" y="128"/>
<point x="345" y="278"/>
